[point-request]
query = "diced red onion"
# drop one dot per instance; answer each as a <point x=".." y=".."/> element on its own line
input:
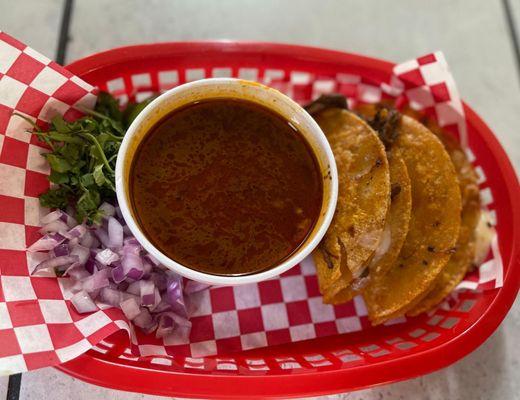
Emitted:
<point x="179" y="321"/>
<point x="52" y="216"/>
<point x="77" y="232"/>
<point x="162" y="306"/>
<point x="55" y="226"/>
<point x="166" y="326"/>
<point x="134" y="274"/>
<point x="134" y="288"/>
<point x="167" y="321"/>
<point x="147" y="293"/>
<point x="107" y="257"/>
<point x="94" y="294"/>
<point x="87" y="239"/>
<point x="47" y="242"/>
<point x="194" y="287"/>
<point x="96" y="281"/>
<point x="133" y="249"/>
<point x="110" y="266"/>
<point x="159" y="279"/>
<point x="115" y="232"/>
<point x="181" y="325"/>
<point x="132" y="241"/>
<point x="90" y="240"/>
<point x="143" y="319"/>
<point x="90" y="266"/>
<point x="108" y="209"/>
<point x="110" y="296"/>
<point x="130" y="308"/>
<point x="61" y="250"/>
<point x="82" y="252"/>
<point x="66" y="217"/>
<point x="77" y="272"/>
<point x="118" y="274"/>
<point x="83" y="303"/>
<point x="173" y="287"/>
<point x="53" y="263"/>
<point x="147" y="269"/>
<point x="103" y="237"/>
<point x="157" y="299"/>
<point x="132" y="266"/>
<point x="126" y="296"/>
<point x="70" y="221"/>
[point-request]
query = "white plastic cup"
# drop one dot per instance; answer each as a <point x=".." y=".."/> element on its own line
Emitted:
<point x="236" y="89"/>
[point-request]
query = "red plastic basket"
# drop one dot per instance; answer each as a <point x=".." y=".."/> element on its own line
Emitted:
<point x="332" y="364"/>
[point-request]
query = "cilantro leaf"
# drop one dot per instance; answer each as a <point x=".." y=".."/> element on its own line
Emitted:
<point x="87" y="205"/>
<point x="98" y="175"/>
<point x="58" y="178"/>
<point x="61" y="126"/>
<point x="83" y="156"/>
<point x="55" y="198"/>
<point x="57" y="163"/>
<point x="87" y="180"/>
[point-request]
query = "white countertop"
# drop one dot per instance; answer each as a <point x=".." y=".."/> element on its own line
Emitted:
<point x="473" y="34"/>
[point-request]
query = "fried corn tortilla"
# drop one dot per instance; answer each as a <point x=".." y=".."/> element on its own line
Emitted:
<point x="461" y="260"/>
<point x="433" y="229"/>
<point x="363" y="200"/>
<point x="394" y="233"/>
<point x="398" y="218"/>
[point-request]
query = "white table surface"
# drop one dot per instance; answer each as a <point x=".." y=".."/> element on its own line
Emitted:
<point x="474" y="36"/>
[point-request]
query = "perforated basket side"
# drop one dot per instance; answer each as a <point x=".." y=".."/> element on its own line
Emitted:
<point x="337" y="363"/>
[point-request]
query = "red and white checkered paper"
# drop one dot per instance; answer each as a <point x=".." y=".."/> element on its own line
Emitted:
<point x="38" y="326"/>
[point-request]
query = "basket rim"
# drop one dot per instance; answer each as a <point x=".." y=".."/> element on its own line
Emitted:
<point x="184" y="384"/>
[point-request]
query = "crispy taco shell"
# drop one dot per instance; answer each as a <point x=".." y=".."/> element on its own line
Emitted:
<point x="433" y="229"/>
<point x="394" y="233"/>
<point x="363" y="199"/>
<point x="461" y="260"/>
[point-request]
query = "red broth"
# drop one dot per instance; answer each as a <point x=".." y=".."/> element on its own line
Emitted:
<point x="226" y="187"/>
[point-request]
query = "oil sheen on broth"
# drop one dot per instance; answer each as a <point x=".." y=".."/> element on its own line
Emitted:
<point x="226" y="187"/>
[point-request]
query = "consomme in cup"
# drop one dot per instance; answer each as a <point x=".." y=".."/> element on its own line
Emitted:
<point x="225" y="186"/>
